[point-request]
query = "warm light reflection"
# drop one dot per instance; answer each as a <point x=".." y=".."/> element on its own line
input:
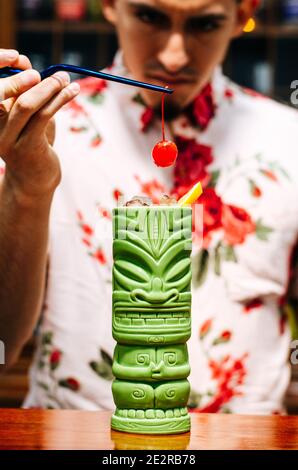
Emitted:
<point x="127" y="441"/>
<point x="250" y="26"/>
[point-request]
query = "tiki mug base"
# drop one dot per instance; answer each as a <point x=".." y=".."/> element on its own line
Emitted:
<point x="173" y="421"/>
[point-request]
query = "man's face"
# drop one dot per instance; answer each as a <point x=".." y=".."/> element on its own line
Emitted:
<point x="174" y="42"/>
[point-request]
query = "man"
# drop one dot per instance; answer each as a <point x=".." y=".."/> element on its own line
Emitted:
<point x="242" y="148"/>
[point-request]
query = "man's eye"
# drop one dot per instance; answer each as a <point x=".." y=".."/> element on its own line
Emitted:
<point x="150" y="17"/>
<point x="203" y="25"/>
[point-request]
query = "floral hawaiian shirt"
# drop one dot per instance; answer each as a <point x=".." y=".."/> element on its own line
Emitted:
<point x="243" y="148"/>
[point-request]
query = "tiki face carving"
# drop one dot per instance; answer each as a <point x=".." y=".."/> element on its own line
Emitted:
<point x="149" y="397"/>
<point x="152" y="274"/>
<point x="146" y="363"/>
<point x="151" y="318"/>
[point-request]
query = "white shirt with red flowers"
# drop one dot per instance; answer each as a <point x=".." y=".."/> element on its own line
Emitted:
<point x="243" y="148"/>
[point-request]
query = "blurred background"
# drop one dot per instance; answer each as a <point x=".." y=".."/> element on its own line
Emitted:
<point x="75" y="32"/>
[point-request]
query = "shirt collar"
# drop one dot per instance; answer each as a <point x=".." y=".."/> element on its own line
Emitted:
<point x="198" y="114"/>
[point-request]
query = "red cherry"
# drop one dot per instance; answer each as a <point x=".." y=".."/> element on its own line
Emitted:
<point x="165" y="153"/>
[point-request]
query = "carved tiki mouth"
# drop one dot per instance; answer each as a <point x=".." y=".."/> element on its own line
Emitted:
<point x="152" y="320"/>
<point x="161" y="327"/>
<point x="167" y="315"/>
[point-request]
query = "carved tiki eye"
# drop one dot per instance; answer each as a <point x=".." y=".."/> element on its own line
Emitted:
<point x="143" y="359"/>
<point x="131" y="270"/>
<point x="178" y="271"/>
<point x="170" y="358"/>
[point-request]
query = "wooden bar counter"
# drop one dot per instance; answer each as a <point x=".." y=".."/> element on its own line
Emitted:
<point x="65" y="429"/>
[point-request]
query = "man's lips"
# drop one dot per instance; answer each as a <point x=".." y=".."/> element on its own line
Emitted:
<point x="171" y="80"/>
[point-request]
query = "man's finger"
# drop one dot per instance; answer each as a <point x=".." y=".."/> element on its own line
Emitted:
<point x="11" y="58"/>
<point x="17" y="84"/>
<point x="30" y="102"/>
<point x="34" y="99"/>
<point x="40" y="120"/>
<point x="22" y="63"/>
<point x="8" y="57"/>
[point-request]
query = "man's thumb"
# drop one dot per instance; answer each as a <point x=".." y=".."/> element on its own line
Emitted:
<point x="11" y="87"/>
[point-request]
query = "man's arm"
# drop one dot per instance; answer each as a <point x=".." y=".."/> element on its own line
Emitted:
<point x="23" y="256"/>
<point x="32" y="174"/>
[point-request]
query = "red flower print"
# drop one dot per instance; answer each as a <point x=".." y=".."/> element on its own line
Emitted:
<point x="146" y="118"/>
<point x="224" y="337"/>
<point x="203" y="107"/>
<point x="184" y="123"/>
<point x="257" y="192"/>
<point x="180" y="191"/>
<point x="92" y="86"/>
<point x="229" y="374"/>
<point x="80" y="216"/>
<point x="96" y="141"/>
<point x="253" y="304"/>
<point x="254" y="189"/>
<point x="77" y="130"/>
<point x="152" y="189"/>
<point x="229" y="94"/>
<point x="205" y="328"/>
<point x="87" y="229"/>
<point x="86" y="242"/>
<point x="88" y="233"/>
<point x="216" y="403"/>
<point x="253" y="93"/>
<point x="100" y="256"/>
<point x="191" y="167"/>
<point x="212" y="211"/>
<point x="2" y="170"/>
<point x="237" y="224"/>
<point x="76" y="109"/>
<point x="193" y="158"/>
<point x="70" y="383"/>
<point x="269" y="174"/>
<point x="104" y="213"/>
<point x="117" y="194"/>
<point x="55" y="358"/>
<point x="73" y="384"/>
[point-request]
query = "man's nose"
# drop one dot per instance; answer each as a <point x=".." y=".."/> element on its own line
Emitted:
<point x="174" y="56"/>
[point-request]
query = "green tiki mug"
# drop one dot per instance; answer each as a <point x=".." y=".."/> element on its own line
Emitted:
<point x="151" y="318"/>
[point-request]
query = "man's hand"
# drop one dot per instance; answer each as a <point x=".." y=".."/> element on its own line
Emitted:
<point x="27" y="107"/>
<point x="14" y="86"/>
<point x="26" y="191"/>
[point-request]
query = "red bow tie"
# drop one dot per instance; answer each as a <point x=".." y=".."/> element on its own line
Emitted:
<point x="199" y="112"/>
